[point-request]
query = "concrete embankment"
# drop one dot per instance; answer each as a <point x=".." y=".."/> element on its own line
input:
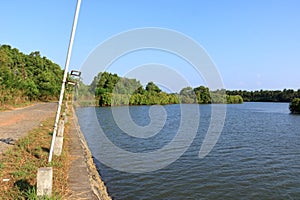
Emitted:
<point x="84" y="179"/>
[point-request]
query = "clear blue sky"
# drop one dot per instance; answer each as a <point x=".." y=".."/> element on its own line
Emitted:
<point x="255" y="44"/>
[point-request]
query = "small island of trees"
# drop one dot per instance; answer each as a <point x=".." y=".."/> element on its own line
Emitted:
<point x="295" y="106"/>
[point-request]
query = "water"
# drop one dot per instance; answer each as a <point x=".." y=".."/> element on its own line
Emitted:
<point x="256" y="157"/>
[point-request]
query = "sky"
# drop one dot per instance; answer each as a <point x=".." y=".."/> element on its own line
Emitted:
<point x="254" y="44"/>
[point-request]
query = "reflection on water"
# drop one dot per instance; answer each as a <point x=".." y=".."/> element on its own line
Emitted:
<point x="256" y="157"/>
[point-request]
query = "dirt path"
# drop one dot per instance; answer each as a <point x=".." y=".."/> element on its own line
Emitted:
<point x="17" y="123"/>
<point x="83" y="178"/>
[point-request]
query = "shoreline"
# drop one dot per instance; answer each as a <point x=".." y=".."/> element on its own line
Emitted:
<point x="97" y="184"/>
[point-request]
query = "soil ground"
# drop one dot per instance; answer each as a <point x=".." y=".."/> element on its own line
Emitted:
<point x="16" y="123"/>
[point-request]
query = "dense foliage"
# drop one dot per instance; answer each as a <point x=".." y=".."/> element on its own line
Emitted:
<point x="32" y="77"/>
<point x="295" y="105"/>
<point x="27" y="77"/>
<point x="112" y="90"/>
<point x="287" y="95"/>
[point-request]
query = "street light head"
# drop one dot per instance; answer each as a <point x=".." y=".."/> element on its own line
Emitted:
<point x="75" y="73"/>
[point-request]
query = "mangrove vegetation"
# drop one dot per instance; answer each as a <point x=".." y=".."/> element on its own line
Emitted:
<point x="109" y="89"/>
<point x="295" y="106"/>
<point x="32" y="77"/>
<point x="287" y="95"/>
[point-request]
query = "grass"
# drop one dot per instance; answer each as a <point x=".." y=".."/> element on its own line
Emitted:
<point x="10" y="106"/>
<point x="86" y="103"/>
<point x="20" y="163"/>
<point x="15" y="105"/>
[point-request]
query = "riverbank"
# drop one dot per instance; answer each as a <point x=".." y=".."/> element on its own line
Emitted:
<point x="84" y="179"/>
<point x="25" y="142"/>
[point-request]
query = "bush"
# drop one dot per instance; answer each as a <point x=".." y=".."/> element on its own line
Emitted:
<point x="295" y="105"/>
<point x="234" y="99"/>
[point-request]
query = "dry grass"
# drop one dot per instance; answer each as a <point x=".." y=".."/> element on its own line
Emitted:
<point x="14" y="106"/>
<point x="19" y="165"/>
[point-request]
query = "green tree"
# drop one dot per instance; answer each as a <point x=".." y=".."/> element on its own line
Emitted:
<point x="127" y="86"/>
<point x="187" y="95"/>
<point x="151" y="87"/>
<point x="234" y="99"/>
<point x="203" y="95"/>
<point x="140" y="90"/>
<point x="295" y="106"/>
<point x="30" y="89"/>
<point x="27" y="77"/>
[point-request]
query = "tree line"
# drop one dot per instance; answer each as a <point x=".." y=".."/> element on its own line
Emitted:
<point x="27" y="77"/>
<point x="35" y="78"/>
<point x="111" y="90"/>
<point x="286" y="95"/>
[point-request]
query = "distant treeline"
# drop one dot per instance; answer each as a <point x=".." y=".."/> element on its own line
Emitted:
<point x="287" y="95"/>
<point x="111" y="90"/>
<point x="33" y="77"/>
<point x="27" y="77"/>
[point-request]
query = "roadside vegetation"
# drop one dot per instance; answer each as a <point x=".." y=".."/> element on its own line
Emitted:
<point x="27" y="78"/>
<point x="19" y="164"/>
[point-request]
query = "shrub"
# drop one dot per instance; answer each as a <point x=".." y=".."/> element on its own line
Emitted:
<point x="295" y="105"/>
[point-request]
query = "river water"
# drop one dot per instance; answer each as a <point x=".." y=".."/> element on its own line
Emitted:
<point x="257" y="155"/>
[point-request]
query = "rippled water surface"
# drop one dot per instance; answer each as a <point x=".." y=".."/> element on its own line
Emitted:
<point x="256" y="157"/>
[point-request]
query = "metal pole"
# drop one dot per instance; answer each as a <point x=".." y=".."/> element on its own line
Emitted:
<point x="64" y="78"/>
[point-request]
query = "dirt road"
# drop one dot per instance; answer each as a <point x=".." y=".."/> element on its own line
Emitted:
<point x="16" y="123"/>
